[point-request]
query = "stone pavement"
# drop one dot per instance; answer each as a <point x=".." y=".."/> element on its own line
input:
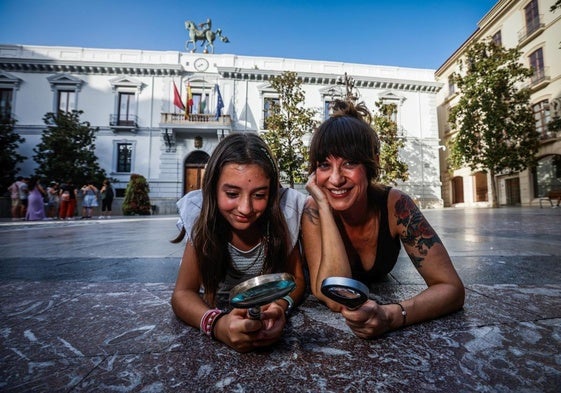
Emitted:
<point x="85" y="308"/>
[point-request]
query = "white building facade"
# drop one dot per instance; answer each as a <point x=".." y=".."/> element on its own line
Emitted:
<point x="536" y="30"/>
<point x="129" y="96"/>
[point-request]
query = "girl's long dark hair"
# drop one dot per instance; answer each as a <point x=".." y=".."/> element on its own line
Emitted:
<point x="211" y="232"/>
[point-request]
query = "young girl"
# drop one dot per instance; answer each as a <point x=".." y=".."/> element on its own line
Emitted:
<point x="238" y="229"/>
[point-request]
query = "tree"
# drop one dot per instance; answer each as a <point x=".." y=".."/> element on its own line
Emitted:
<point x="67" y="150"/>
<point x="9" y="156"/>
<point x="493" y="118"/>
<point x="288" y="122"/>
<point x="137" y="200"/>
<point x="392" y="168"/>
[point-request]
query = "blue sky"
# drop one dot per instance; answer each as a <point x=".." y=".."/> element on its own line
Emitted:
<point x="416" y="33"/>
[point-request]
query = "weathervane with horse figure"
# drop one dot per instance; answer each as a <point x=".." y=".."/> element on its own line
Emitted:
<point x="203" y="33"/>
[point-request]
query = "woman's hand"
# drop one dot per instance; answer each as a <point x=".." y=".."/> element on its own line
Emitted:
<point x="314" y="190"/>
<point x="368" y="321"/>
<point x="243" y="334"/>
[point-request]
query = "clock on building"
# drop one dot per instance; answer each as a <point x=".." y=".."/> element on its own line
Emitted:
<point x="201" y="64"/>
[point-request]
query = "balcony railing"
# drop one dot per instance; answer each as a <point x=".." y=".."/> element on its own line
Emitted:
<point x="531" y="30"/>
<point x="539" y="79"/>
<point x="120" y="122"/>
<point x="179" y="119"/>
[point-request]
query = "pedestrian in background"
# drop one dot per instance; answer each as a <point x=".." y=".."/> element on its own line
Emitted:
<point x="53" y="200"/>
<point x="89" y="200"/>
<point x="107" y="196"/>
<point x="14" y="197"/>
<point x="36" y="200"/>
<point x="68" y="196"/>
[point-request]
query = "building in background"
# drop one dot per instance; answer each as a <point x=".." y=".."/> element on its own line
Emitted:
<point x="136" y="98"/>
<point x="530" y="25"/>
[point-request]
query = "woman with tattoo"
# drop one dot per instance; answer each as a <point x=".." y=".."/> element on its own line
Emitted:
<point x="354" y="227"/>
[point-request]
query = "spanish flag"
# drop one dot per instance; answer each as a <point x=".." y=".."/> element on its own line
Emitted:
<point x="189" y="105"/>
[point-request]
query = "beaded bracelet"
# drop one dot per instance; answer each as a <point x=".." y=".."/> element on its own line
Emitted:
<point x="215" y="321"/>
<point x="403" y="313"/>
<point x="208" y="320"/>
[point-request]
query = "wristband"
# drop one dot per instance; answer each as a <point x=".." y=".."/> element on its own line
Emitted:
<point x="290" y="302"/>
<point x="403" y="313"/>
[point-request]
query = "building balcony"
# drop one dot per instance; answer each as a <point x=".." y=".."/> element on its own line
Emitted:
<point x="548" y="136"/>
<point x="539" y="79"/>
<point x="177" y="121"/>
<point x="531" y="30"/>
<point x="123" y="123"/>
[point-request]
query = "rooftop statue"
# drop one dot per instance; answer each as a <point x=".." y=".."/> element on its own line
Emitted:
<point x="203" y="33"/>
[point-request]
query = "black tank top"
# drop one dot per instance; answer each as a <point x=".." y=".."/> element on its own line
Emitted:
<point x="388" y="247"/>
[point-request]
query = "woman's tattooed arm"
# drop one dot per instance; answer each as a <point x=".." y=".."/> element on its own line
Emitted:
<point x="416" y="232"/>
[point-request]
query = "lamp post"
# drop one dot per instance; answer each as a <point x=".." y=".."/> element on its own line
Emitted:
<point x="350" y="89"/>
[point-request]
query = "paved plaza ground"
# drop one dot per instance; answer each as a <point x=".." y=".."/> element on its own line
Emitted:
<point x="85" y="308"/>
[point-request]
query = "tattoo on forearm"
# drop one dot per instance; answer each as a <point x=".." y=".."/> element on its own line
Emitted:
<point x="312" y="214"/>
<point x="417" y="232"/>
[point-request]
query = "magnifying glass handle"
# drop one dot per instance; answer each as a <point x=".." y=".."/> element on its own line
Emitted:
<point x="254" y="313"/>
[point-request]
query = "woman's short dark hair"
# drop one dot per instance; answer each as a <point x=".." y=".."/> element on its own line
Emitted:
<point x="347" y="134"/>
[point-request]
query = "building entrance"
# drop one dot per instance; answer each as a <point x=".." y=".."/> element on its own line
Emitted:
<point x="194" y="170"/>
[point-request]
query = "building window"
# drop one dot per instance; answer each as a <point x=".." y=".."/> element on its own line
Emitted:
<point x="66" y="101"/>
<point x="127" y="109"/>
<point x="497" y="38"/>
<point x="541" y="117"/>
<point x="127" y="91"/>
<point x="537" y="65"/>
<point x="327" y="109"/>
<point x="65" y="88"/>
<point x="6" y="96"/>
<point x="124" y="157"/>
<point x="451" y="85"/>
<point x="200" y="103"/>
<point x="532" y="16"/>
<point x="268" y="103"/>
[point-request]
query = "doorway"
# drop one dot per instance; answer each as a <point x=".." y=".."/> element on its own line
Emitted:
<point x="458" y="190"/>
<point x="194" y="170"/>
<point x="512" y="189"/>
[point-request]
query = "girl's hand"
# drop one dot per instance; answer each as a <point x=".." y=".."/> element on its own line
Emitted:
<point x="243" y="334"/>
<point x="368" y="321"/>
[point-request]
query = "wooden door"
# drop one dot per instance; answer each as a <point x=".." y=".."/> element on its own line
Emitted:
<point x="193" y="178"/>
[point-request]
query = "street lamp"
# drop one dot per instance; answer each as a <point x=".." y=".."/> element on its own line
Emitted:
<point x="351" y="91"/>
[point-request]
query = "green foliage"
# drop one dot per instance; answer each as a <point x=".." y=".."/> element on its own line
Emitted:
<point x="493" y="118"/>
<point x="288" y="123"/>
<point x="9" y="157"/>
<point x="67" y="150"/>
<point x="137" y="200"/>
<point x="392" y="168"/>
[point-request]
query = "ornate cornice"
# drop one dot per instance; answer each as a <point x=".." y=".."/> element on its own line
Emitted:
<point x="97" y="68"/>
<point x="332" y="79"/>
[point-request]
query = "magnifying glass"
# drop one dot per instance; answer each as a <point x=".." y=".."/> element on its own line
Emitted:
<point x="261" y="290"/>
<point x="346" y="291"/>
